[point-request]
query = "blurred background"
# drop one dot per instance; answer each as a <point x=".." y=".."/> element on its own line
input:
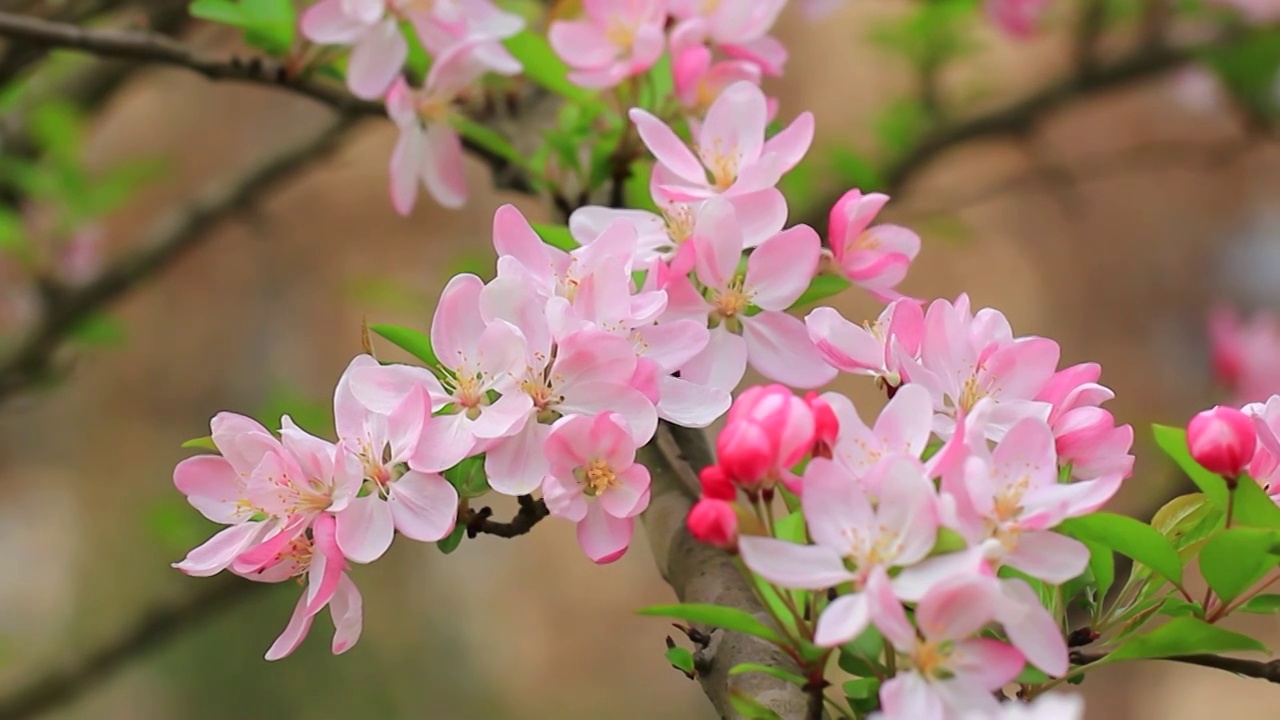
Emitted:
<point x="1111" y="225"/>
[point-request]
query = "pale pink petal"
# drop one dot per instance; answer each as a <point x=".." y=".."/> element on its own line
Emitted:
<point x="381" y="389"/>
<point x="718" y="241"/>
<point x="779" y="347"/>
<point x="581" y="44"/>
<point x="790" y="145"/>
<point x="843" y="620"/>
<point x="504" y="417"/>
<point x="221" y="550"/>
<point x="734" y="125"/>
<point x="457" y="324"/>
<point x="630" y="496"/>
<point x="907" y="696"/>
<point x="806" y="567"/>
<point x="327" y="23"/>
<point x="376" y="59"/>
<point x="424" y="507"/>
<point x="668" y="148"/>
<point x="443" y="171"/>
<point x="632" y="405"/>
<point x="689" y="404"/>
<point x="904" y="423"/>
<point x="346" y="607"/>
<point x="445" y="442"/>
<point x="1049" y="556"/>
<point x="512" y="235"/>
<point x="908" y="507"/>
<point x="211" y="485"/>
<point x="564" y="498"/>
<point x="721" y="365"/>
<point x="603" y="537"/>
<point x="780" y="270"/>
<point x="835" y="505"/>
<point x="987" y="664"/>
<point x="327" y="564"/>
<point x="365" y="529"/>
<point x="761" y="215"/>
<point x="1031" y="628"/>
<point x="887" y="612"/>
<point x="294" y="633"/>
<point x="846" y="346"/>
<point x="517" y="464"/>
<point x="957" y="608"/>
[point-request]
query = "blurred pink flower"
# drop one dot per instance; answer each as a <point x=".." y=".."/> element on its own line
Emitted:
<point x="616" y="40"/>
<point x="876" y="258"/>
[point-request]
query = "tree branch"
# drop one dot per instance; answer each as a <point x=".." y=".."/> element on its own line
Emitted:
<point x="154" y="48"/>
<point x="699" y="573"/>
<point x="152" y="632"/>
<point x="531" y="513"/>
<point x="1269" y="671"/>
<point x="65" y="308"/>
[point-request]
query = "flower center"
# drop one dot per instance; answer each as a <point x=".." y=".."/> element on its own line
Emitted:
<point x="732" y="301"/>
<point x="722" y="163"/>
<point x="970" y="393"/>
<point x="598" y="476"/>
<point x="931" y="659"/>
<point x="679" y="222"/>
<point x="620" y="34"/>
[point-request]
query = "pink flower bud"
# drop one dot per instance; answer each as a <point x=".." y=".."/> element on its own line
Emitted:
<point x="825" y="425"/>
<point x="716" y="484"/>
<point x="714" y="522"/>
<point x="1222" y="439"/>
<point x="785" y="418"/>
<point x="746" y="453"/>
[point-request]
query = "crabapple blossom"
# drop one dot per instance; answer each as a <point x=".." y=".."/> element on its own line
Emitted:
<point x="901" y="430"/>
<point x="1223" y="440"/>
<point x="875" y="258"/>
<point x="594" y="480"/>
<point x="874" y="349"/>
<point x="767" y="431"/>
<point x="777" y="273"/>
<point x="1016" y="18"/>
<point x="401" y="453"/>
<point x="714" y="522"/>
<point x="379" y="50"/>
<point x="733" y="157"/>
<point x="1264" y="468"/>
<point x="1246" y="353"/>
<point x="945" y="670"/>
<point x="698" y="77"/>
<point x="738" y="27"/>
<point x="850" y="527"/>
<point x="616" y="39"/>
<point x="429" y="151"/>
<point x="1086" y="437"/>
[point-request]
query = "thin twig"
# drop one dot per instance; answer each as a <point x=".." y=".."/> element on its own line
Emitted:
<point x="155" y="629"/>
<point x="31" y="360"/>
<point x="531" y="513"/>
<point x="1269" y="671"/>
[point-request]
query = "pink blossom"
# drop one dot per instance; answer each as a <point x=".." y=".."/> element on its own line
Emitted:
<point x="739" y="27"/>
<point x="714" y="522"/>
<point x="826" y="424"/>
<point x="698" y="77"/>
<point x="379" y="51"/>
<point x="319" y="558"/>
<point x="616" y="40"/>
<point x="901" y="430"/>
<point x="1086" y="436"/>
<point x="1265" y="466"/>
<point x="594" y="481"/>
<point x="401" y="453"/>
<point x="768" y="430"/>
<point x="850" y="528"/>
<point x="945" y="670"/>
<point x="1246" y="354"/>
<point x="1253" y="11"/>
<point x="733" y="157"/>
<point x="1017" y="18"/>
<point x="965" y="358"/>
<point x="1222" y="439"/>
<point x="777" y="273"/>
<point x="429" y="151"/>
<point x="1012" y="495"/>
<point x="874" y="258"/>
<point x="874" y="349"/>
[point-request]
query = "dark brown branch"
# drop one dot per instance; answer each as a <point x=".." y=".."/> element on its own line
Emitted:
<point x="531" y="513"/>
<point x="154" y="48"/>
<point x="173" y="237"/>
<point x="699" y="573"/>
<point x="1269" y="671"/>
<point x="153" y="631"/>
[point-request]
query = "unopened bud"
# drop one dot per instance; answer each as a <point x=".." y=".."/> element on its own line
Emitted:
<point x="714" y="522"/>
<point x="1223" y="440"/>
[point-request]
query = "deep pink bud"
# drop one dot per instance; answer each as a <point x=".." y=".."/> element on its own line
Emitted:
<point x="1222" y="439"/>
<point x="714" y="522"/>
<point x="825" y="425"/>
<point x="716" y="484"/>
<point x="746" y="453"/>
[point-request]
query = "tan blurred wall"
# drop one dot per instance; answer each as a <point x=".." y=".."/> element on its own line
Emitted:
<point x="1119" y="270"/>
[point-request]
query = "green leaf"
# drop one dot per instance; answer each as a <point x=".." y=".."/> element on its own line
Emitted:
<point x="556" y="236"/>
<point x="414" y="342"/>
<point x="1178" y="518"/>
<point x="1031" y="675"/>
<point x="174" y="527"/>
<point x="821" y="288"/>
<point x="682" y="660"/>
<point x="1262" y="605"/>
<point x="543" y="66"/>
<point x="750" y="708"/>
<point x="1102" y="564"/>
<point x="222" y="11"/>
<point x="452" y="542"/>
<point x="854" y="170"/>
<point x="1236" y="558"/>
<point x="768" y="670"/>
<point x="201" y="443"/>
<point x="1128" y="537"/>
<point x="860" y="655"/>
<point x="1253" y="506"/>
<point x="487" y="138"/>
<point x="1183" y="636"/>
<point x="722" y="617"/>
<point x="1173" y="441"/>
<point x="99" y="330"/>
<point x="862" y="688"/>
<point x="469" y="477"/>
<point x="1178" y="607"/>
<point x="791" y="528"/>
<point x="267" y="24"/>
<point x="636" y="189"/>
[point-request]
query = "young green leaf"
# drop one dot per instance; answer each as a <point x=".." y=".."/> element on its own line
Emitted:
<point x="682" y="660"/>
<point x="201" y="443"/>
<point x="543" y="66"/>
<point x="452" y="542"/>
<point x="791" y="528"/>
<point x="1183" y="636"/>
<point x="749" y="708"/>
<point x="1102" y="563"/>
<point x="1173" y="441"/>
<point x="1253" y="507"/>
<point x="821" y="288"/>
<point x="716" y="616"/>
<point x="1128" y="537"/>
<point x="1262" y="605"/>
<point x="414" y="342"/>
<point x="768" y="670"/>
<point x="1236" y="558"/>
<point x="556" y="236"/>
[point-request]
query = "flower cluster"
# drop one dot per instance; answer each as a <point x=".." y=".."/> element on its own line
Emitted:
<point x="463" y="38"/>
<point x="1245" y="353"/>
<point x="982" y="450"/>
<point x="620" y="39"/>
